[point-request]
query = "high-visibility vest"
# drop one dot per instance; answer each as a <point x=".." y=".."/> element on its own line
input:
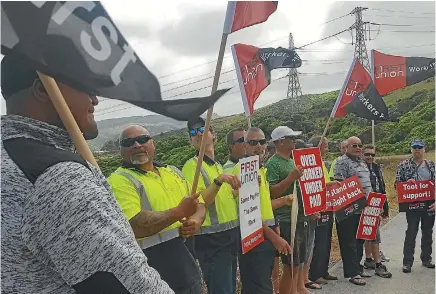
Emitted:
<point x="265" y="196"/>
<point x="156" y="193"/>
<point x="221" y="215"/>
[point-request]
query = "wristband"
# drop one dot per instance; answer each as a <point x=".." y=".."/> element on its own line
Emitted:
<point x="217" y="182"/>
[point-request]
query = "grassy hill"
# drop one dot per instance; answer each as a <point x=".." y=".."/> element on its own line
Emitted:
<point x="414" y="106"/>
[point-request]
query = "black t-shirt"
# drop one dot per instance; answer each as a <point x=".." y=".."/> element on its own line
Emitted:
<point x="174" y="262"/>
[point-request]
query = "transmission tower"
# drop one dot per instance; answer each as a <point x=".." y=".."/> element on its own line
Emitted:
<point x="294" y="89"/>
<point x="360" y="46"/>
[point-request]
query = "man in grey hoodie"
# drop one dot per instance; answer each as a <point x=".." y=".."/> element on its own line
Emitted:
<point x="62" y="230"/>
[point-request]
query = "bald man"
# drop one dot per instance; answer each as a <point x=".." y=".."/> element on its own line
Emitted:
<point x="164" y="216"/>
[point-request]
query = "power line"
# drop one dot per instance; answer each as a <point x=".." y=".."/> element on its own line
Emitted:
<point x="402" y="16"/>
<point x="400" y="11"/>
<point x="399" y="25"/>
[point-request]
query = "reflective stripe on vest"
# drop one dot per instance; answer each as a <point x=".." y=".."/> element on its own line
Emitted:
<point x="145" y="205"/>
<point x="269" y="222"/>
<point x="215" y="226"/>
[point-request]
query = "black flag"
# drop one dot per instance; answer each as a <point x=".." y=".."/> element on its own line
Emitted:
<point x="78" y="44"/>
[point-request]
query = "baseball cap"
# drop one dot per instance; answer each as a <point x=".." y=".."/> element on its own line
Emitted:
<point x="16" y="74"/>
<point x="196" y="123"/>
<point x="418" y="143"/>
<point x="283" y="131"/>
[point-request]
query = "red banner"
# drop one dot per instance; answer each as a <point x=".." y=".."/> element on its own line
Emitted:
<point x="347" y="197"/>
<point x="312" y="183"/>
<point x="327" y="214"/>
<point x="415" y="195"/>
<point x="251" y="73"/>
<point x="370" y="217"/>
<point x="242" y="14"/>
<point x="389" y="72"/>
<point x="356" y="82"/>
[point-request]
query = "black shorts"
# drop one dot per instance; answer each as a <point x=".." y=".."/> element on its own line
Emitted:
<point x="300" y="242"/>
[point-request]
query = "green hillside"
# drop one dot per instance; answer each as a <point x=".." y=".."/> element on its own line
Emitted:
<point x="414" y="106"/>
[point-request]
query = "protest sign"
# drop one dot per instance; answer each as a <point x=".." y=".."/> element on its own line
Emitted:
<point x="312" y="183"/>
<point x="370" y="217"/>
<point x="347" y="197"/>
<point x="249" y="204"/>
<point x="415" y="195"/>
<point x="327" y="214"/>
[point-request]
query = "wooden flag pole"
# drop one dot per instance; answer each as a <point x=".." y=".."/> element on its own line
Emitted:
<point x="209" y="112"/>
<point x="373" y="132"/>
<point x="67" y="117"/>
<point x="325" y="130"/>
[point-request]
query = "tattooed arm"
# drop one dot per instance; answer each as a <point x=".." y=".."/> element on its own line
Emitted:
<point x="147" y="223"/>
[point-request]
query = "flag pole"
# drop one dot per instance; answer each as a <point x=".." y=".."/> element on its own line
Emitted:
<point x="324" y="133"/>
<point x="209" y="111"/>
<point x="373" y="80"/>
<point x="373" y="133"/>
<point x="249" y="121"/>
<point x="67" y="117"/>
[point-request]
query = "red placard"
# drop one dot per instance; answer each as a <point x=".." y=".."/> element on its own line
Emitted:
<point x="415" y="195"/>
<point x="347" y="197"/>
<point x="312" y="183"/>
<point x="252" y="240"/>
<point x="370" y="217"/>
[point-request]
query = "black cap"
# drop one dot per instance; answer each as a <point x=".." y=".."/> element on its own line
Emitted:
<point x="196" y="123"/>
<point x="16" y="74"/>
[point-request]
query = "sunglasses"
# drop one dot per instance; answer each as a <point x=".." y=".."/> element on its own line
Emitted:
<point x="255" y="142"/>
<point x="128" y="142"/>
<point x="417" y="147"/>
<point x="195" y="131"/>
<point x="239" y="140"/>
<point x="356" y="145"/>
<point x="369" y="154"/>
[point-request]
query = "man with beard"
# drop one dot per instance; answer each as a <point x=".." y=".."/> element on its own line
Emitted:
<point x="256" y="265"/>
<point x="235" y="143"/>
<point x="62" y="229"/>
<point x="216" y="244"/>
<point x="417" y="168"/>
<point x="155" y="199"/>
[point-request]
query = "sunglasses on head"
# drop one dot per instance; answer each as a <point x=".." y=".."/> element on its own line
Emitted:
<point x="128" y="142"/>
<point x="357" y="145"/>
<point x="417" y="147"/>
<point x="369" y="154"/>
<point x="239" y="140"/>
<point x="255" y="142"/>
<point x="193" y="132"/>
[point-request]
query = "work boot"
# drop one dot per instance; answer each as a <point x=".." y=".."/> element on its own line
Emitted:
<point x="383" y="257"/>
<point x="382" y="271"/>
<point x="369" y="263"/>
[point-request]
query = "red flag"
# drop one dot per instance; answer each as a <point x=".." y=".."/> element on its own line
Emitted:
<point x="359" y="96"/>
<point x="392" y="72"/>
<point x="242" y="14"/>
<point x="253" y="69"/>
<point x="356" y="81"/>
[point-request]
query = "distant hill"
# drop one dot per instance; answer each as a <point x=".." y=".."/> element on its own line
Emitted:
<point x="413" y="106"/>
<point x="110" y="129"/>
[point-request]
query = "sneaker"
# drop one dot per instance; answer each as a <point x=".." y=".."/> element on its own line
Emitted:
<point x="382" y="271"/>
<point x="369" y="264"/>
<point x="364" y="274"/>
<point x="383" y="257"/>
<point x="428" y="264"/>
<point x="407" y="268"/>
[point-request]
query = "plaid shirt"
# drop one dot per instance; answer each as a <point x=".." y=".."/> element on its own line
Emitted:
<point x="407" y="169"/>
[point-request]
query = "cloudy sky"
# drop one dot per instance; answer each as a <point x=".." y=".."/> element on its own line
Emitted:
<point x="178" y="41"/>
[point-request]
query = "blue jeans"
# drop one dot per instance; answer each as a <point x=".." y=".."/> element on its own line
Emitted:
<point x="219" y="272"/>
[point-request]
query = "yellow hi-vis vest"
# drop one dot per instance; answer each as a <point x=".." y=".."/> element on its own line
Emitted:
<point x="137" y="190"/>
<point x="221" y="215"/>
<point x="265" y="196"/>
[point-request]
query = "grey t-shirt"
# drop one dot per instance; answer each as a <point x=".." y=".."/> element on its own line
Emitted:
<point x="423" y="172"/>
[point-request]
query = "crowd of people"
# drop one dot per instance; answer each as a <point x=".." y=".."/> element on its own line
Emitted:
<point x="66" y="229"/>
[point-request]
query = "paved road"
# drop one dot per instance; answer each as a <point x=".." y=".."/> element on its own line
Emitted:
<point x="420" y="281"/>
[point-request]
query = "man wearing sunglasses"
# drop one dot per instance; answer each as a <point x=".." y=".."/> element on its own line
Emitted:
<point x="235" y="143"/>
<point x="157" y="201"/>
<point x="216" y="245"/>
<point x="373" y="254"/>
<point x="348" y="165"/>
<point x="256" y="266"/>
<point x="282" y="175"/>
<point x="417" y="168"/>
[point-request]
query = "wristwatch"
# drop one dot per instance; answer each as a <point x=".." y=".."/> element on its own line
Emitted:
<point x="217" y="182"/>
